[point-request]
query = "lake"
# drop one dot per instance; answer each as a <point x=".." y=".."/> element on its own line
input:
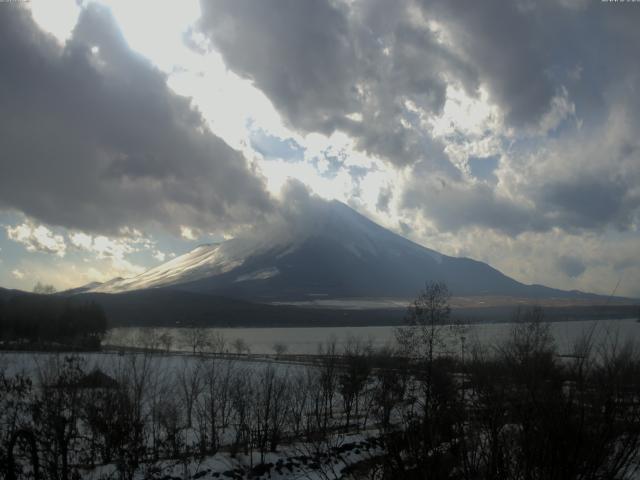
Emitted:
<point x="305" y="340"/>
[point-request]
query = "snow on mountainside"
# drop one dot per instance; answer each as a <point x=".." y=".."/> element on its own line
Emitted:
<point x="336" y="252"/>
<point x="204" y="261"/>
<point x="336" y="223"/>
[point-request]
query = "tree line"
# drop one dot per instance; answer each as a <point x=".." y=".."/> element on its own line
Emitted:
<point x="44" y="321"/>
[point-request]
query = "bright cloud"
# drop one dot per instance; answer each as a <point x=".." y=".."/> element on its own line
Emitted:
<point x="115" y="250"/>
<point x="37" y="238"/>
<point x="17" y="273"/>
<point x="187" y="233"/>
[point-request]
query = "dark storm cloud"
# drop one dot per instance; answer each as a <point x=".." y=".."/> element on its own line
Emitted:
<point x="322" y="61"/>
<point x="97" y="141"/>
<point x="598" y="192"/>
<point x="299" y="53"/>
<point x="525" y="52"/>
<point x="455" y="205"/>
<point x="591" y="202"/>
<point x="500" y="41"/>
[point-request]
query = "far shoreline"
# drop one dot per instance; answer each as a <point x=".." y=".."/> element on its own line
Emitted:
<point x="376" y="325"/>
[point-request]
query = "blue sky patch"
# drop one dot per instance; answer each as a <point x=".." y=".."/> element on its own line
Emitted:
<point x="272" y="147"/>
<point x="483" y="168"/>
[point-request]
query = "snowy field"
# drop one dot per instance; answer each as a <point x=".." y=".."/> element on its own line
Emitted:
<point x="298" y="461"/>
<point x="178" y="379"/>
<point x="30" y="363"/>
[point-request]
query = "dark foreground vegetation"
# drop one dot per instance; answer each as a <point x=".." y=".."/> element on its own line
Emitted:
<point x="36" y="321"/>
<point x="514" y="411"/>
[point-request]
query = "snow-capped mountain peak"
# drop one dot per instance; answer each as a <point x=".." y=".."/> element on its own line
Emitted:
<point x="335" y="252"/>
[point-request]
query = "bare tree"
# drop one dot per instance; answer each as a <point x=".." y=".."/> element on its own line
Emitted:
<point x="327" y="382"/>
<point x="240" y="346"/>
<point x="44" y="289"/>
<point x="196" y="338"/>
<point x="16" y="393"/>
<point x="299" y="400"/>
<point x="432" y="398"/>
<point x="161" y="385"/>
<point x="136" y="375"/>
<point x="279" y="348"/>
<point x="270" y="408"/>
<point x="536" y="416"/>
<point x="189" y="380"/>
<point x="149" y="338"/>
<point x="168" y="415"/>
<point x="56" y="413"/>
<point x="391" y="378"/>
<point x="241" y="394"/>
<point x="426" y="317"/>
<point x="214" y="406"/>
<point x="166" y="340"/>
<point x="353" y="377"/>
<point x="217" y="341"/>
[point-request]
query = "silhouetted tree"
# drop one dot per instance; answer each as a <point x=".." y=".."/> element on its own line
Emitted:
<point x="279" y="348"/>
<point x="240" y="346"/>
<point x="44" y="289"/>
<point x="353" y="377"/>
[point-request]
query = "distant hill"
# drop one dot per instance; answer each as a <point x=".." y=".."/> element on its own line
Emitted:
<point x="175" y="308"/>
<point x="166" y="307"/>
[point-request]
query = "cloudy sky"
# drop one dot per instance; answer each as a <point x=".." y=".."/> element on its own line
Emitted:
<point x="508" y="132"/>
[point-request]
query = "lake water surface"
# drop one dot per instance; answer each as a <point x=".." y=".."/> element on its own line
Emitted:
<point x="305" y="340"/>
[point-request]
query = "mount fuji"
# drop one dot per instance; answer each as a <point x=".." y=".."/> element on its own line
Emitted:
<point x="337" y="253"/>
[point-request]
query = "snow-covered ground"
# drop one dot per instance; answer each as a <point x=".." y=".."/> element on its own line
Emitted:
<point x="164" y="377"/>
<point x="30" y="363"/>
<point x="294" y="461"/>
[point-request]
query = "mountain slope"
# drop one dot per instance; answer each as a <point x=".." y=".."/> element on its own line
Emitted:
<point x="338" y="254"/>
